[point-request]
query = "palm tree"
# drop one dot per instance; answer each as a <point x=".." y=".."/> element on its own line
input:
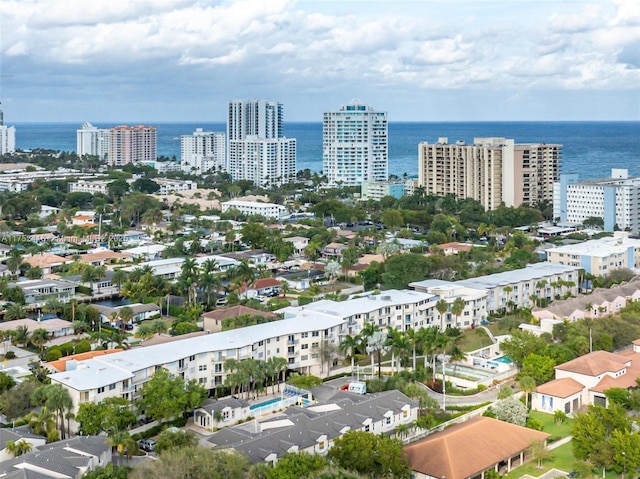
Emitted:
<point x="122" y="443"/>
<point x="377" y="344"/>
<point x="527" y="385"/>
<point x="209" y="283"/>
<point x="15" y="311"/>
<point x="368" y="330"/>
<point x="39" y="338"/>
<point x="126" y="314"/>
<point x="56" y="398"/>
<point x="145" y="331"/>
<point x="53" y="306"/>
<point x="159" y="326"/>
<point x="14" y="261"/>
<point x="456" y="354"/>
<point x="457" y="308"/>
<point x="18" y="448"/>
<point x="442" y="307"/>
<point x="43" y="424"/>
<point x="119" y="277"/>
<point x="210" y="266"/>
<point x="21" y="335"/>
<point x="348" y="346"/>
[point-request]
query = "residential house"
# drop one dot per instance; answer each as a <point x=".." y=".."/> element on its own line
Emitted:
<point x="38" y="291"/>
<point x="217" y="413"/>
<point x="262" y="287"/>
<point x="584" y="380"/>
<point x="299" y="244"/>
<point x="313" y="429"/>
<point x="454" y="248"/>
<point x="101" y="286"/>
<point x="102" y="258"/>
<point x="149" y="252"/>
<point x="470" y="449"/>
<point x="140" y="311"/>
<point x="48" y="263"/>
<point x="256" y="256"/>
<point x="333" y="251"/>
<point x="15" y="435"/>
<point x="300" y="280"/>
<point x="55" y="327"/>
<point x="67" y="459"/>
<point x="212" y="320"/>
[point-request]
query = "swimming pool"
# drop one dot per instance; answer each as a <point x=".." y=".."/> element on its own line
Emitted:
<point x="265" y="403"/>
<point x="506" y="359"/>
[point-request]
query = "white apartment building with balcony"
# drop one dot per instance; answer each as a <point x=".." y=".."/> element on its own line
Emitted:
<point x="169" y="186"/>
<point x="257" y="149"/>
<point x="616" y="200"/>
<point x="199" y="358"/>
<point x="93" y="187"/>
<point x="7" y="139"/>
<point x="599" y="257"/>
<point x="355" y="145"/>
<point x="398" y="309"/>
<point x="268" y="210"/>
<point x="92" y="141"/>
<point x="266" y="162"/>
<point x="511" y="289"/>
<point x="203" y="151"/>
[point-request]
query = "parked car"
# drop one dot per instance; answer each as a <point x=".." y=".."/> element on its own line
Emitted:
<point x="147" y="445"/>
<point x="221" y="301"/>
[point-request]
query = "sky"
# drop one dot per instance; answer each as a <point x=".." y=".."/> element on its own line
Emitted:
<point x="420" y="60"/>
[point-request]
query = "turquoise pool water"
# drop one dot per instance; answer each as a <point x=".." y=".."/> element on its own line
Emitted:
<point x="506" y="359"/>
<point x="265" y="403"/>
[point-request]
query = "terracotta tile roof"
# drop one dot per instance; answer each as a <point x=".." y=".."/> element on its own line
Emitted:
<point x="595" y="364"/>
<point x="45" y="260"/>
<point x="368" y="258"/>
<point x="560" y="388"/>
<point x="467" y="449"/>
<point x="103" y="255"/>
<point x="61" y="364"/>
<point x="266" y="283"/>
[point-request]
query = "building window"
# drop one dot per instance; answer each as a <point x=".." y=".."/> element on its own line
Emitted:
<point x="112" y="387"/>
<point x="100" y="390"/>
<point x="202" y="367"/>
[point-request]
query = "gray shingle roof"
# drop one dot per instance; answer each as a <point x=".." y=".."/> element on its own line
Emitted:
<point x="308" y="426"/>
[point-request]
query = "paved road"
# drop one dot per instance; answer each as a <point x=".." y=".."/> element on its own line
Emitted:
<point x="488" y="395"/>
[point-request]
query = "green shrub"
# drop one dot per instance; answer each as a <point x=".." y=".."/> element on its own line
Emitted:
<point x="66" y="348"/>
<point x="83" y="347"/>
<point x="302" y="300"/>
<point x="10" y="355"/>
<point x="53" y="354"/>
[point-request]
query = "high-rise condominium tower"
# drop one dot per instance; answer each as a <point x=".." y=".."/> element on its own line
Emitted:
<point x="132" y="144"/>
<point x="256" y="147"/>
<point x="92" y="141"/>
<point x="202" y="151"/>
<point x="354" y="145"/>
<point x="491" y="170"/>
<point x="7" y="137"/>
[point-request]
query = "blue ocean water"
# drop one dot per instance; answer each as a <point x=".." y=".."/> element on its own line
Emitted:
<point x="590" y="148"/>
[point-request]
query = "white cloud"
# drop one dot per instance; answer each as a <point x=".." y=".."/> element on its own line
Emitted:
<point x="325" y="46"/>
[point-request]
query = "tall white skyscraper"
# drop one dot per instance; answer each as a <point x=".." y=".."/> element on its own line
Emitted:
<point x="261" y="118"/>
<point x="7" y="137"/>
<point x="92" y="141"/>
<point x="354" y="145"/>
<point x="256" y="147"/>
<point x="202" y="151"/>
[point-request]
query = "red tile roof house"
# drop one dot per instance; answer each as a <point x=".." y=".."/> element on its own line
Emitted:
<point x="584" y="380"/>
<point x="469" y="449"/>
<point x="260" y="287"/>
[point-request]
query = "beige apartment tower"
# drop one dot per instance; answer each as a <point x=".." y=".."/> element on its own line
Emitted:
<point x="132" y="144"/>
<point x="491" y="170"/>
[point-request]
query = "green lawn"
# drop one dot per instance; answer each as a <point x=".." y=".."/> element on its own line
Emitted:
<point x="472" y="340"/>
<point x="557" y="431"/>
<point x="562" y="459"/>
